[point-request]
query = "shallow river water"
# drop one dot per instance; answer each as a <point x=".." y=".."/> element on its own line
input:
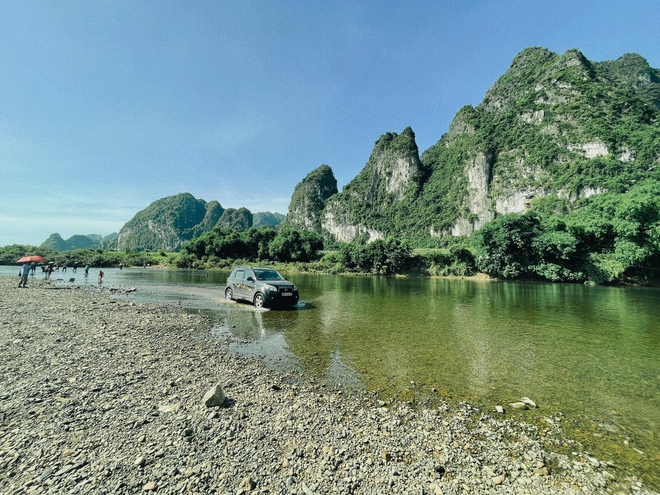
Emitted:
<point x="590" y="353"/>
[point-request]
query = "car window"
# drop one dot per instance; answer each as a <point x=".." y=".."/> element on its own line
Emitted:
<point x="249" y="273"/>
<point x="263" y="274"/>
<point x="239" y="274"/>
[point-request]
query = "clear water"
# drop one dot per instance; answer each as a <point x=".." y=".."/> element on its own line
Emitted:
<point x="591" y="353"/>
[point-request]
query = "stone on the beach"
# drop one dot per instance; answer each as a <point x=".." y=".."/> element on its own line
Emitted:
<point x="169" y="407"/>
<point x="215" y="396"/>
<point x="499" y="409"/>
<point x="149" y="487"/>
<point x="498" y="480"/>
<point x="529" y="402"/>
<point x="518" y="405"/>
<point x="435" y="489"/>
<point x="247" y="484"/>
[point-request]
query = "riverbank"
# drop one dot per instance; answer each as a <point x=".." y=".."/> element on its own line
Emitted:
<point x="99" y="395"/>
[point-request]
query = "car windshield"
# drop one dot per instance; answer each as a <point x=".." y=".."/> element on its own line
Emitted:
<point x="265" y="274"/>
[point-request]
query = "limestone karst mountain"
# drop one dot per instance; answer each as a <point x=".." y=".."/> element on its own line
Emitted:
<point x="79" y="241"/>
<point x="553" y="128"/>
<point x="168" y="222"/>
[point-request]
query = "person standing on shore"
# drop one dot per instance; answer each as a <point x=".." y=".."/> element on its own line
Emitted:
<point x="23" y="273"/>
<point x="101" y="277"/>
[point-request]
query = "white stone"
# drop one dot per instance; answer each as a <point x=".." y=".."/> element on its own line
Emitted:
<point x="215" y="396"/>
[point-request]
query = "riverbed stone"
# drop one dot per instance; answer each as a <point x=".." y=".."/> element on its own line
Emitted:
<point x="120" y="363"/>
<point x="215" y="396"/>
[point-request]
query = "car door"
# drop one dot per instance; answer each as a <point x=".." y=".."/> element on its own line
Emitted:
<point x="237" y="284"/>
<point x="249" y="284"/>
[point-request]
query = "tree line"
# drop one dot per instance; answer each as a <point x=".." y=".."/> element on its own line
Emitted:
<point x="608" y="238"/>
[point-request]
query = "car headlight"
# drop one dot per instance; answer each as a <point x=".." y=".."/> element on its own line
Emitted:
<point x="271" y="288"/>
<point x="294" y="287"/>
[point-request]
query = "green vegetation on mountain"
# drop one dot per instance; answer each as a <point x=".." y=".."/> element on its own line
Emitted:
<point x="380" y="197"/>
<point x="240" y="219"/>
<point x="78" y="241"/>
<point x="267" y="218"/>
<point x="168" y="222"/>
<point x="559" y="146"/>
<point x="309" y="198"/>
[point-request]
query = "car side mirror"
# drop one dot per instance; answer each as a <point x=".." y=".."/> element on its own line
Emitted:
<point x="250" y="279"/>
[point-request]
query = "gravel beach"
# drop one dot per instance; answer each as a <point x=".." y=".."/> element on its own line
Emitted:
<point x="101" y="395"/>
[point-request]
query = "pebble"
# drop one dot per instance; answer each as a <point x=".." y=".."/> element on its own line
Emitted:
<point x="124" y="411"/>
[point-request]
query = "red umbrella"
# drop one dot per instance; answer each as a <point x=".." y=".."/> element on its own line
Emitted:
<point x="30" y="259"/>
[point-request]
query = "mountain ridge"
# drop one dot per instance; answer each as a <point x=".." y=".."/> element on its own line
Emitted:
<point x="551" y="126"/>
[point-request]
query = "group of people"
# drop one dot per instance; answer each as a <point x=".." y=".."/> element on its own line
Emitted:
<point x="48" y="269"/>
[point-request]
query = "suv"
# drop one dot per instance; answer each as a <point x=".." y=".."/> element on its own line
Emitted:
<point x="261" y="287"/>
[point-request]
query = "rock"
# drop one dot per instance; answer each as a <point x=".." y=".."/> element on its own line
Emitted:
<point x="541" y="471"/>
<point x="247" y="484"/>
<point x="169" y="407"/>
<point x="529" y="402"/>
<point x="140" y="461"/>
<point x="518" y="405"/>
<point x="149" y="487"/>
<point x="386" y="456"/>
<point x="498" y="480"/>
<point x="435" y="489"/>
<point x="499" y="409"/>
<point x="215" y="396"/>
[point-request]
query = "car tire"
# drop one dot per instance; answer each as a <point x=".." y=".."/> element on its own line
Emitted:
<point x="229" y="295"/>
<point x="258" y="300"/>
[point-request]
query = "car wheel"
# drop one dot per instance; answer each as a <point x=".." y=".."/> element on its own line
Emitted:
<point x="258" y="300"/>
<point x="229" y="296"/>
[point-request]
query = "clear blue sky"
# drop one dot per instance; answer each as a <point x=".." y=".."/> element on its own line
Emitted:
<point x="106" y="106"/>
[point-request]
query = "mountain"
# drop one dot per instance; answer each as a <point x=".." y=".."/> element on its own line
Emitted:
<point x="78" y="241"/>
<point x="168" y="222"/>
<point x="309" y="199"/>
<point x="267" y="218"/>
<point x="554" y="129"/>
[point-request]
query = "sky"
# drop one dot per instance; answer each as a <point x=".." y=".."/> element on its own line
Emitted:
<point x="107" y="106"/>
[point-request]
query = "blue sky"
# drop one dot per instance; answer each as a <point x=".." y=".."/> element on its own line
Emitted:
<point x="106" y="106"/>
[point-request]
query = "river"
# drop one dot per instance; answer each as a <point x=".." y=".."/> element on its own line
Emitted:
<point x="591" y="353"/>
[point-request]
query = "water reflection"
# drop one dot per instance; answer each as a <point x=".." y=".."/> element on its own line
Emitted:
<point x="590" y="352"/>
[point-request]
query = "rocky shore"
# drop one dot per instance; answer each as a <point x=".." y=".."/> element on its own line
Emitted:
<point x="101" y="395"/>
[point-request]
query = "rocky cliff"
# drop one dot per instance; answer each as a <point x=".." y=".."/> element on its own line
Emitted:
<point x="309" y="198"/>
<point x="168" y="222"/>
<point x="382" y="191"/>
<point x="553" y="126"/>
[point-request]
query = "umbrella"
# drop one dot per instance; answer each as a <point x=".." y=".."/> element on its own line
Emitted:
<point x="29" y="259"/>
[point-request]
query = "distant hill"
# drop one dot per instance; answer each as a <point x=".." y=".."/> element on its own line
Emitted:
<point x="554" y="129"/>
<point x="267" y="218"/>
<point x="168" y="222"/>
<point x="78" y="241"/>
